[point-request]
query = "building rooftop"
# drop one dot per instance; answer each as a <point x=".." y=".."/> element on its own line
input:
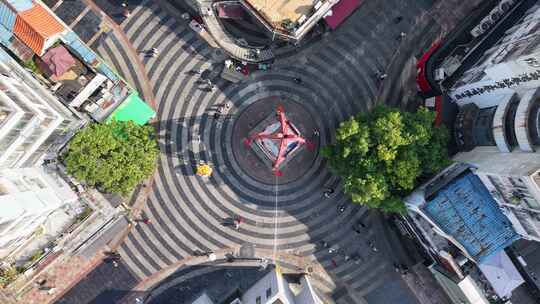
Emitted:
<point x="220" y="283"/>
<point x="278" y="12"/>
<point x="34" y="26"/>
<point x="465" y="210"/>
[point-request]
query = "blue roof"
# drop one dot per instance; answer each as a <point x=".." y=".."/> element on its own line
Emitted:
<point x="465" y="209"/>
<point x="21" y="5"/>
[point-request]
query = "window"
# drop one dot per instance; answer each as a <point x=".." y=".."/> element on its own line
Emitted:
<point x="268" y="293"/>
<point x="258" y="300"/>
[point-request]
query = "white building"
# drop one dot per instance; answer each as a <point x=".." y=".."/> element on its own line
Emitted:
<point x="274" y="288"/>
<point x="498" y="124"/>
<point x="512" y="65"/>
<point x="34" y="125"/>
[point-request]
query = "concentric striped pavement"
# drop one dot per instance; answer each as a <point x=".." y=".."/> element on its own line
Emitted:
<point x="187" y="211"/>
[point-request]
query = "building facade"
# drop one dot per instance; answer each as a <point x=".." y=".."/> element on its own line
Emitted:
<point x="497" y="128"/>
<point x="466" y="231"/>
<point x="34" y="126"/>
<point x="510" y="65"/>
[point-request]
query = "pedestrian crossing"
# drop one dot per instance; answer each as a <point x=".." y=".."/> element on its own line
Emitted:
<point x="187" y="212"/>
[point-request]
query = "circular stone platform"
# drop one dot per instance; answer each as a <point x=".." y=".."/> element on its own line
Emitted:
<point x="245" y="125"/>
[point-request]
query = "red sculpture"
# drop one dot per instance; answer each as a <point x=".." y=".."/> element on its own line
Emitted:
<point x="286" y="138"/>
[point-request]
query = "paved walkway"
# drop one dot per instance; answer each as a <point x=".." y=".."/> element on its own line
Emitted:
<point x="186" y="211"/>
<point x="338" y="80"/>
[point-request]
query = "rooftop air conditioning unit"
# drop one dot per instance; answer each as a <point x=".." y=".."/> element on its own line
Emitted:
<point x="505" y="5"/>
<point x="477" y="31"/>
<point x="495" y="15"/>
<point x="486" y="25"/>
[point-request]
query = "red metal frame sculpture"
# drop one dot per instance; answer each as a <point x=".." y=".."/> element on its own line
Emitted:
<point x="285" y="135"/>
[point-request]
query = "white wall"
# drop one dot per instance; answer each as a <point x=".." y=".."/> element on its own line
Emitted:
<point x="28" y="196"/>
<point x="259" y="289"/>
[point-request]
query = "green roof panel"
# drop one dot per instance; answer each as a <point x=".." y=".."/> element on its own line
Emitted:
<point x="134" y="109"/>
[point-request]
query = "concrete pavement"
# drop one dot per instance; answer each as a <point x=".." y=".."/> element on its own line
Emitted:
<point x="186" y="211"/>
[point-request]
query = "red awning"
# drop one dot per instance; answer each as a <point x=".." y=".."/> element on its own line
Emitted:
<point x="421" y="78"/>
<point x="230" y="11"/>
<point x="341" y="11"/>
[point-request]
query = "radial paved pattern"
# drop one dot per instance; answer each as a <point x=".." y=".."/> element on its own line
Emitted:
<point x="187" y="211"/>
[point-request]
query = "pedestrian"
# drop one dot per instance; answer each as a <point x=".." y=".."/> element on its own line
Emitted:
<point x="238" y="222"/>
<point x="401" y="36"/>
<point x="334" y="263"/>
<point x="328" y="192"/>
<point x="227" y="105"/>
<point x="315" y="132"/>
<point x="398" y="19"/>
<point x="219" y="111"/>
<point x="298" y="80"/>
<point x="147" y="221"/>
<point x="115" y="264"/>
<point x="380" y="75"/>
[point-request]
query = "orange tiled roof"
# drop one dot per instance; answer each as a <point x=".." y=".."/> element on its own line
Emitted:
<point x="34" y="26"/>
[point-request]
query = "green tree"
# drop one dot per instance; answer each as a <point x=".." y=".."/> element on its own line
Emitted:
<point x="382" y="155"/>
<point x="114" y="157"/>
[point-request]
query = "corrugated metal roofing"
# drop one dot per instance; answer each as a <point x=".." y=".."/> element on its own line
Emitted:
<point x="85" y="53"/>
<point x="35" y="26"/>
<point x="7" y="17"/>
<point x="21" y="5"/>
<point x="466" y="210"/>
<point x="105" y="70"/>
<point x="5" y="36"/>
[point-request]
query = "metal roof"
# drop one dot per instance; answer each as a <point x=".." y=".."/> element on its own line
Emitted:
<point x="35" y="26"/>
<point x="134" y="109"/>
<point x="465" y="210"/>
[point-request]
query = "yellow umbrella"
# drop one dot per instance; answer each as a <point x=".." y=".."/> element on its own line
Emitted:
<point x="204" y="170"/>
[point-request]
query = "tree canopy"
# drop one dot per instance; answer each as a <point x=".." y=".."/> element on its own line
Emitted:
<point x="114" y="157"/>
<point x="382" y="155"/>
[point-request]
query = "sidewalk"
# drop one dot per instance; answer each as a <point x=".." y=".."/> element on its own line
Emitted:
<point x="140" y="71"/>
<point x="399" y="88"/>
<point x="424" y="286"/>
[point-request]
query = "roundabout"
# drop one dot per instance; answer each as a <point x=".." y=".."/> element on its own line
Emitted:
<point x="258" y="157"/>
<point x="287" y="215"/>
